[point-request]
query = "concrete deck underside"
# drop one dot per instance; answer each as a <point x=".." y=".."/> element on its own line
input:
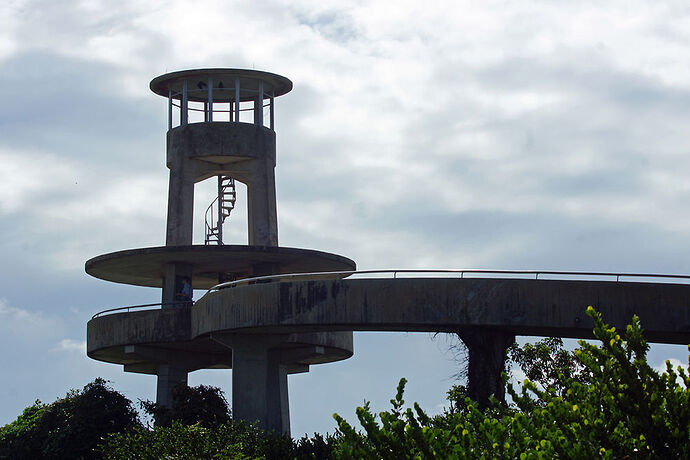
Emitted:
<point x="142" y="339"/>
<point x="518" y="306"/>
<point x="146" y="266"/>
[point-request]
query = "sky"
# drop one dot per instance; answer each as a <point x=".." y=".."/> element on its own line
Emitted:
<point x="447" y="134"/>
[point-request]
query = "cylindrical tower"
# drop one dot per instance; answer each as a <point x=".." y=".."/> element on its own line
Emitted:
<point x="220" y="124"/>
<point x="217" y="127"/>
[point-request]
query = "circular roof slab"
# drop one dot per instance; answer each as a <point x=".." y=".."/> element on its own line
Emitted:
<point x="223" y="84"/>
<point x="146" y="266"/>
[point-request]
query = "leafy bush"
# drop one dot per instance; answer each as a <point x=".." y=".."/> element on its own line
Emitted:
<point x="231" y="440"/>
<point x="204" y="405"/>
<point x="615" y="406"/>
<point x="228" y="441"/>
<point x="71" y="427"/>
<point x="543" y="362"/>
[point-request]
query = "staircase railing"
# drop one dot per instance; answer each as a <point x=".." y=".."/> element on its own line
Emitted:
<point x="219" y="210"/>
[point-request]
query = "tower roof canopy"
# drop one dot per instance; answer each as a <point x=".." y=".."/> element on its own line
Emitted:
<point x="223" y="81"/>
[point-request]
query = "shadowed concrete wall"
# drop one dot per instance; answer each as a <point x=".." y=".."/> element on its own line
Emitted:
<point x="521" y="307"/>
<point x="141" y="327"/>
<point x="244" y="151"/>
<point x="485" y="313"/>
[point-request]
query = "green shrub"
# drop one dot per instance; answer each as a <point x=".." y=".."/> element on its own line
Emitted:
<point x="204" y="405"/>
<point x="71" y="427"/>
<point x="232" y="440"/>
<point x="614" y="406"/>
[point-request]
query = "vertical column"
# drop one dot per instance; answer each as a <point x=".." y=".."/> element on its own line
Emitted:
<point x="178" y="232"/>
<point x="210" y="99"/>
<point x="169" y="376"/>
<point x="284" y="398"/>
<point x="174" y="273"/>
<point x="184" y="112"/>
<point x="271" y="110"/>
<point x="180" y="204"/>
<point x="261" y="205"/>
<point x="170" y="108"/>
<point x="487" y="355"/>
<point x="259" y="112"/>
<point x="237" y="100"/>
<point x="259" y="383"/>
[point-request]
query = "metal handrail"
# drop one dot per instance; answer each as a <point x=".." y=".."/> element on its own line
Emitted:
<point x="132" y="307"/>
<point x="462" y="272"/>
<point x="194" y="109"/>
<point x="343" y="274"/>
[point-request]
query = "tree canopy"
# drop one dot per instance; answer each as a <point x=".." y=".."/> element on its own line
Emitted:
<point x="71" y="427"/>
<point x="204" y="405"/>
<point x="601" y="401"/>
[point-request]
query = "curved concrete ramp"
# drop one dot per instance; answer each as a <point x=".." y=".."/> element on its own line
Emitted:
<point x="517" y="306"/>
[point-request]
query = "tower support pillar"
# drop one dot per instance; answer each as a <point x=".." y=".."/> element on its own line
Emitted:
<point x="259" y="381"/>
<point x="172" y="282"/>
<point x="487" y="350"/>
<point x="169" y="376"/>
<point x="261" y="196"/>
<point x="180" y="203"/>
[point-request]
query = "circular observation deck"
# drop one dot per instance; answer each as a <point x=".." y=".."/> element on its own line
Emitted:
<point x="146" y="266"/>
<point x="226" y="84"/>
<point x="141" y="340"/>
<point x="231" y="95"/>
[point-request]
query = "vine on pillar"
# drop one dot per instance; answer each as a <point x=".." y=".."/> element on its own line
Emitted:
<point x="487" y="349"/>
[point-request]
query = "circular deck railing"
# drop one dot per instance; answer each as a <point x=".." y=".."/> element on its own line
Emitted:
<point x="146" y="306"/>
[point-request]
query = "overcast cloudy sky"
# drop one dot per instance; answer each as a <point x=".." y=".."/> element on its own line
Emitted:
<point x="531" y="134"/>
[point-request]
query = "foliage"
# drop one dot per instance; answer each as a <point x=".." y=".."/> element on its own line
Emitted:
<point x="600" y="401"/>
<point x="179" y="441"/>
<point x="543" y="361"/>
<point x="70" y="427"/>
<point x="233" y="440"/>
<point x="628" y="410"/>
<point x="316" y="447"/>
<point x="204" y="405"/>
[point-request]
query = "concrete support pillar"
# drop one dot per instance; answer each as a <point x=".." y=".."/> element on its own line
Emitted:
<point x="171" y="282"/>
<point x="168" y="377"/>
<point x="487" y="355"/>
<point x="259" y="381"/>
<point x="180" y="204"/>
<point x="261" y="197"/>
<point x="259" y="386"/>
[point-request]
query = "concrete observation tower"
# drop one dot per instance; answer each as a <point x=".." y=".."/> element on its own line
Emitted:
<point x="221" y="127"/>
<point x="273" y="311"/>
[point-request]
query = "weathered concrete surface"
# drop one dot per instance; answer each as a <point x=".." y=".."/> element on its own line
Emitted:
<point x="142" y="340"/>
<point x="246" y="152"/>
<point x="487" y="350"/>
<point x="520" y="307"/>
<point x="221" y="143"/>
<point x="139" y="327"/>
<point x="259" y="380"/>
<point x="169" y="376"/>
<point x="147" y="266"/>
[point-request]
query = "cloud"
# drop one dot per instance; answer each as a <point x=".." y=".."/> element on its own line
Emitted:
<point x="25" y="326"/>
<point x="72" y="346"/>
<point x="458" y="134"/>
<point x="22" y="183"/>
<point x="675" y="364"/>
